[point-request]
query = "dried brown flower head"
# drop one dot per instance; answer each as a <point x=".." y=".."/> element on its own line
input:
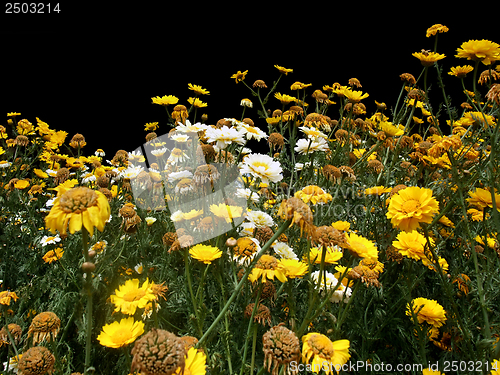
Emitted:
<point x="262" y="315"/>
<point x="158" y="352"/>
<point x="493" y="94"/>
<point x="44" y="326"/>
<point x="374" y="166"/>
<point x="21" y="140"/>
<point x="300" y="213"/>
<point x="328" y="236"/>
<point x="204" y="174"/>
<point x="281" y="347"/>
<point x="15" y="331"/>
<point x="37" y="360"/>
<point x="78" y="141"/>
<point x="276" y="141"/>
<point x="408" y="78"/>
<point x="331" y="172"/>
<point x="260" y="84"/>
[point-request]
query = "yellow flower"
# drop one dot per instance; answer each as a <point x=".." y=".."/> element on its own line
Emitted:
<point x="239" y="76"/>
<point x="428" y="58"/>
<point x="118" y="334"/>
<point x="267" y="267"/>
<point x="226" y="212"/>
<point x="21" y="184"/>
<point x="6" y="297"/>
<point x="428" y="371"/>
<point x="361" y="247"/>
<point x="197" y="103"/>
<point x="198" y="89"/>
<point x="412" y="206"/>
<point x="479" y="50"/>
<point x="332" y="254"/>
<point x="293" y="268"/>
<point x="341" y="225"/>
<point x="205" y="253"/>
<point x="377" y="190"/>
<point x="437" y="28"/>
<point x="53" y="255"/>
<point x="165" y="100"/>
<point x="427" y="310"/>
<point x="460" y="71"/>
<point x="150" y="126"/>
<point x="481" y="198"/>
<point x="391" y="130"/>
<point x="282" y="70"/>
<point x="313" y="194"/>
<point x="284" y="98"/>
<point x="411" y="244"/>
<point x="195" y="362"/>
<point x="323" y="354"/>
<point x="129" y="296"/>
<point x="76" y="207"/>
<point x="40" y="173"/>
<point x="354" y="96"/>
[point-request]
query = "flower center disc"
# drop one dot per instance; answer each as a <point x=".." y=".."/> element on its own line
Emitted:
<point x="134" y="295"/>
<point x="78" y="200"/>
<point x="321" y="345"/>
<point x="410" y="206"/>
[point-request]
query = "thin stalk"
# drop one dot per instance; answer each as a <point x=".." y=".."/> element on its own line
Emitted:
<point x="88" y="314"/>
<point x="243" y="280"/>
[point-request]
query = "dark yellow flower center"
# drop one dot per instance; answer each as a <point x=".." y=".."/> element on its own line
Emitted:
<point x="78" y="200"/>
<point x="267" y="262"/>
<point x="410" y="206"/>
<point x="321" y="345"/>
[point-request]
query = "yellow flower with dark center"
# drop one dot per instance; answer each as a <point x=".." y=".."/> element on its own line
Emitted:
<point x="313" y="194"/>
<point x="118" y="334"/>
<point x="411" y="244"/>
<point x="53" y="255"/>
<point x="267" y="267"/>
<point x="361" y="247"/>
<point x="323" y="354"/>
<point x="76" y="207"/>
<point x="282" y="70"/>
<point x="198" y="89"/>
<point x="412" y="206"/>
<point x="205" y="253"/>
<point x="130" y="296"/>
<point x="239" y="76"/>
<point x="460" y="71"/>
<point x="479" y="50"/>
<point x="428" y="58"/>
<point x="427" y="310"/>
<point x="165" y="100"/>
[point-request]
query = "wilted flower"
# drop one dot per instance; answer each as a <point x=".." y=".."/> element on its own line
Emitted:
<point x="37" y="360"/>
<point x="281" y="346"/>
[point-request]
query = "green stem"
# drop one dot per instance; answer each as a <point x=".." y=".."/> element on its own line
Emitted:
<point x="88" y="314"/>
<point x="243" y="280"/>
<point x="251" y="324"/>
<point x="191" y="293"/>
<point x="254" y="345"/>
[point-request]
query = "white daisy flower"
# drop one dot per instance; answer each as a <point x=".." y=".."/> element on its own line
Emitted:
<point x="328" y="280"/>
<point x="159" y="151"/>
<point x="308" y="146"/>
<point x="131" y="172"/>
<point x="247" y="194"/>
<point x="177" y="216"/>
<point x="260" y="219"/>
<point x="342" y="293"/>
<point x="263" y="166"/>
<point x="50" y="240"/>
<point x="224" y="136"/>
<point x="284" y="251"/>
<point x="251" y="132"/>
<point x="188" y="128"/>
<point x="182" y="138"/>
<point x="175" y="176"/>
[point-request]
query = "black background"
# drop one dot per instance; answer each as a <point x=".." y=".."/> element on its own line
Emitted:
<point x="93" y="69"/>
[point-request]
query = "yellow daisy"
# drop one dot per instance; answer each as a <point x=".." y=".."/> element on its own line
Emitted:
<point x="479" y="50"/>
<point x="195" y="363"/>
<point x="428" y="58"/>
<point x="130" y="296"/>
<point x="411" y="244"/>
<point x="198" y="89"/>
<point x="293" y="267"/>
<point x="323" y="354"/>
<point x="361" y="247"/>
<point x="165" y="100"/>
<point x="267" y="267"/>
<point x="76" y="207"/>
<point x="427" y="310"/>
<point x="283" y="70"/>
<point x="205" y="253"/>
<point x="118" y="334"/>
<point x="226" y="212"/>
<point x="412" y="206"/>
<point x="53" y="255"/>
<point x="313" y="194"/>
